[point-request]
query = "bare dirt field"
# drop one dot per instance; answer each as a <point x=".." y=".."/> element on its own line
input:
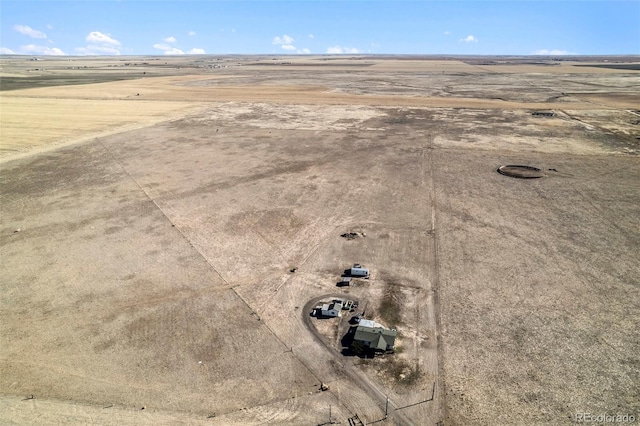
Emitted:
<point x="152" y="210"/>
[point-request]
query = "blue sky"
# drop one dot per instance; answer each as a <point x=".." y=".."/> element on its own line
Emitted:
<point x="149" y="27"/>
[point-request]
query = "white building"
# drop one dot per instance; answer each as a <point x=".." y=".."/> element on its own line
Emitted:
<point x="369" y="323"/>
<point x="332" y="309"/>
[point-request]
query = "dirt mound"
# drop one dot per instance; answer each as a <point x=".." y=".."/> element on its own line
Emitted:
<point x="353" y="235"/>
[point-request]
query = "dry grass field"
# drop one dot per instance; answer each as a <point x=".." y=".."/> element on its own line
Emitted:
<point x="152" y="208"/>
<point x="50" y="126"/>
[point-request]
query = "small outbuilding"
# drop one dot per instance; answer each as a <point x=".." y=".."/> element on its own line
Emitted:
<point x="345" y="281"/>
<point x="329" y="309"/>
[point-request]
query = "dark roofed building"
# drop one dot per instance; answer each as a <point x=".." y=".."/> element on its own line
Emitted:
<point x="377" y="339"/>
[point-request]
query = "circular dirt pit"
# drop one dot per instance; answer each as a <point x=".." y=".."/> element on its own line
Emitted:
<point x="522" y="172"/>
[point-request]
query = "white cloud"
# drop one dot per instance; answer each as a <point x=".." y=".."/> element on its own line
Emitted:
<point x="310" y="35"/>
<point x="341" y="50"/>
<point x="28" y="31"/>
<point x="174" y="51"/>
<point x="447" y="32"/>
<point x="304" y="51"/>
<point x="285" y="42"/>
<point x="196" y="51"/>
<point x="101" y="39"/>
<point x="191" y="33"/>
<point x="285" y="39"/>
<point x="551" y="52"/>
<point x="170" y="39"/>
<point x="99" y="44"/>
<point x="5" y="51"/>
<point x="49" y="26"/>
<point x="168" y="50"/>
<point x="469" y="39"/>
<point x="41" y="50"/>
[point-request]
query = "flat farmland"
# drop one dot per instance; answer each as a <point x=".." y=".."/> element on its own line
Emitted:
<point x="29" y="123"/>
<point x="150" y="223"/>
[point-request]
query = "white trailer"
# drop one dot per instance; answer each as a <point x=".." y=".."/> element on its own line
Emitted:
<point x="359" y="272"/>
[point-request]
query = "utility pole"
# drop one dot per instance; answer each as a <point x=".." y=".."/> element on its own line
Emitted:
<point x="386" y="408"/>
